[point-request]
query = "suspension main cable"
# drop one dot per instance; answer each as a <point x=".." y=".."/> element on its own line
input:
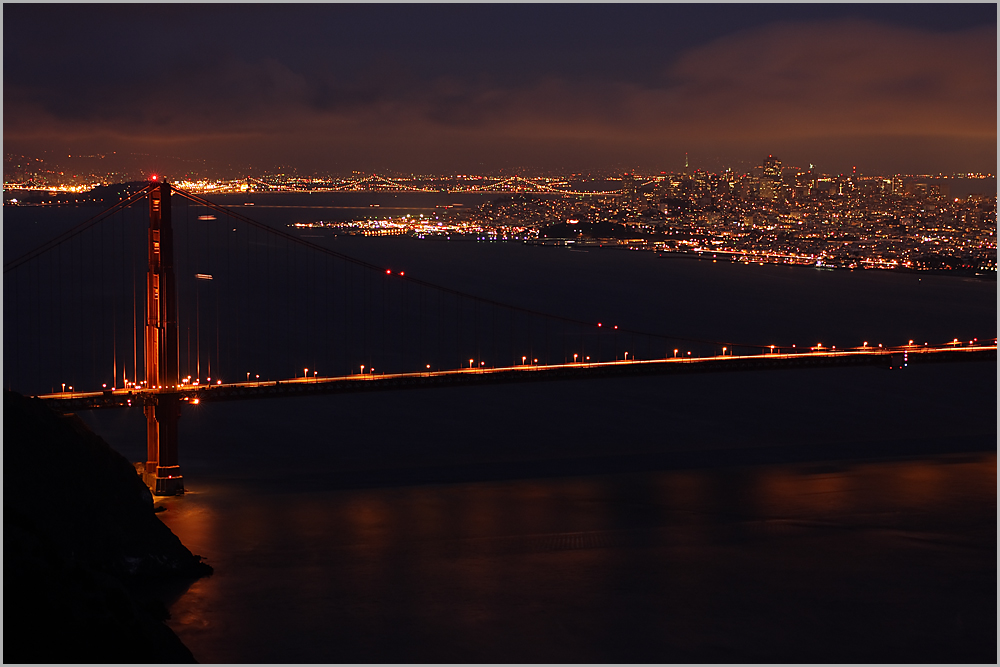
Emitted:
<point x="75" y="231"/>
<point x="333" y="253"/>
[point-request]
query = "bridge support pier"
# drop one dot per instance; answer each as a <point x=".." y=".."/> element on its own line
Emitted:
<point x="162" y="473"/>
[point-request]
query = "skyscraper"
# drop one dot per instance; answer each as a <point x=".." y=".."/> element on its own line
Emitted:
<point x="772" y="168"/>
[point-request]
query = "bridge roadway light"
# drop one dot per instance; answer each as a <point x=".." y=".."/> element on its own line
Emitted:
<point x="470" y="363"/>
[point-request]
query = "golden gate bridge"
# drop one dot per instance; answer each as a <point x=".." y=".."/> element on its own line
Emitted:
<point x="183" y="301"/>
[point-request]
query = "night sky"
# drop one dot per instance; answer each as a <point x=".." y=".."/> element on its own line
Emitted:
<point x="481" y="88"/>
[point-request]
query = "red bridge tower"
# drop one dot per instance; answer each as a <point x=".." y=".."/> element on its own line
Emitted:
<point x="162" y="407"/>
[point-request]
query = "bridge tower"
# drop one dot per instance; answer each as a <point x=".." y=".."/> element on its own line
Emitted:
<point x="162" y="472"/>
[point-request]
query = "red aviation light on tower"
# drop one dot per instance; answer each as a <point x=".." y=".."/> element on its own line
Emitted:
<point x="153" y="178"/>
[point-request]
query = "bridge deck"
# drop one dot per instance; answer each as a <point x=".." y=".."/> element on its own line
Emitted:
<point x="884" y="357"/>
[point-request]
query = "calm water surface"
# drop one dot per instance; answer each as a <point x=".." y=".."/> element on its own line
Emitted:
<point x="890" y="561"/>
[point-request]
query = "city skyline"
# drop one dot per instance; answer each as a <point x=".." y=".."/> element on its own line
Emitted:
<point x="420" y="89"/>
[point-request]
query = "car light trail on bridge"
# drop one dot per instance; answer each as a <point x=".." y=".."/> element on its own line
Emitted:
<point x="886" y="357"/>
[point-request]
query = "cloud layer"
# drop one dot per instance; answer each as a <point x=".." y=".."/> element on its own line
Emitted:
<point x="839" y="90"/>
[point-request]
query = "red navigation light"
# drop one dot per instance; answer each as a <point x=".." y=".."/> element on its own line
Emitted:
<point x="153" y="177"/>
<point x="388" y="271"/>
<point x="402" y="273"/>
<point x="598" y="324"/>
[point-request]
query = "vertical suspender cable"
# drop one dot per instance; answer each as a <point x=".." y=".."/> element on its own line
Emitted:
<point x="366" y="305"/>
<point x="385" y="288"/>
<point x="400" y="328"/>
<point x="345" y="303"/>
<point x="135" y="325"/>
<point x="93" y="329"/>
<point x="421" y="354"/>
<point x="60" y="324"/>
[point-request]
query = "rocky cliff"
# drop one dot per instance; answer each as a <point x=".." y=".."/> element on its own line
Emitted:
<point x="79" y="535"/>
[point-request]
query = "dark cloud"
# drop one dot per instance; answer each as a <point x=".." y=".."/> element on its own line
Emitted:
<point x="823" y="89"/>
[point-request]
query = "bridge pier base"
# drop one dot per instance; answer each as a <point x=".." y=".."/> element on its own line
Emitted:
<point x="162" y="474"/>
<point x="167" y="482"/>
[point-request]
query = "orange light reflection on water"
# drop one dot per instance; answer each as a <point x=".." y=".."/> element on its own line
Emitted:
<point x="475" y="565"/>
